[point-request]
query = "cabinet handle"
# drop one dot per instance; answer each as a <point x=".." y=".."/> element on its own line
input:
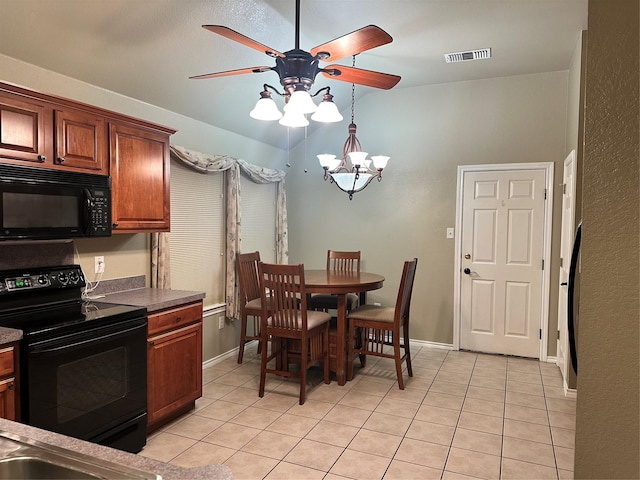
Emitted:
<point x="60" y="159"/>
<point x="115" y="225"/>
<point x="11" y="386"/>
<point x="178" y="318"/>
<point x="152" y="344"/>
<point x="42" y="158"/>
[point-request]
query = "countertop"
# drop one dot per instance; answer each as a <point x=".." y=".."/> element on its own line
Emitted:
<point x="153" y="298"/>
<point x="8" y="335"/>
<point x="165" y="470"/>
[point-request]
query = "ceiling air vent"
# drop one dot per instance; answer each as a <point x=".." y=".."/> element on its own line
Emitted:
<point x="469" y="55"/>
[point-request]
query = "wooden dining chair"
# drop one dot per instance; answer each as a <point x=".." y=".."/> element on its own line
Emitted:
<point x="378" y="327"/>
<point x="288" y="322"/>
<point x="250" y="299"/>
<point x="338" y="262"/>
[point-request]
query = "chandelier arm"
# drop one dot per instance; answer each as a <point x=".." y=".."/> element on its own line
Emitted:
<point x="266" y="88"/>
<point x="323" y="89"/>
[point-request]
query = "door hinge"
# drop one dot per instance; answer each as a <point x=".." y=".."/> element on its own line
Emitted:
<point x="560" y="261"/>
<point x="545" y="193"/>
<point x="564" y="188"/>
<point x="558" y="334"/>
<point x="543" y="264"/>
<point x="540" y="334"/>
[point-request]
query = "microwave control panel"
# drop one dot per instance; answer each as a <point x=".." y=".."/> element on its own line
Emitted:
<point x="100" y="212"/>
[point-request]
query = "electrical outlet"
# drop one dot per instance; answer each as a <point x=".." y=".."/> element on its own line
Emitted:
<point x="220" y="323"/>
<point x="99" y="264"/>
<point x="450" y="232"/>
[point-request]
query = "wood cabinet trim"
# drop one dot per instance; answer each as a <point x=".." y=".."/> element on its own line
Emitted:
<point x="54" y="100"/>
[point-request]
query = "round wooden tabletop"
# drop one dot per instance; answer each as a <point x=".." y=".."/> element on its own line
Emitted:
<point x="328" y="281"/>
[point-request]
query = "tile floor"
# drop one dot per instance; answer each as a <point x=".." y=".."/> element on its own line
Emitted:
<point x="463" y="415"/>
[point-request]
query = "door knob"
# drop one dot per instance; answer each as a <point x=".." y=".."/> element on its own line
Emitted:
<point x="467" y="256"/>
<point x="467" y="271"/>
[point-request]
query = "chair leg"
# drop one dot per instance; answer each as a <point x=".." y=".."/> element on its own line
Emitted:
<point x="263" y="367"/>
<point x="350" y="342"/>
<point x="325" y="354"/>
<point x="243" y="337"/>
<point x="304" y="356"/>
<point x="407" y="350"/>
<point x="396" y="354"/>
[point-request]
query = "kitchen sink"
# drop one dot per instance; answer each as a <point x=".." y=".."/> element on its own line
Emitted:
<point x="32" y="467"/>
<point x="24" y="458"/>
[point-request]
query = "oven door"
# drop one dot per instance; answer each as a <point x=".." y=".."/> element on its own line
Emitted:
<point x="87" y="383"/>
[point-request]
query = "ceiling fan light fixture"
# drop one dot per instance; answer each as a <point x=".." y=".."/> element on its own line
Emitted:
<point x="300" y="101"/>
<point x="266" y="108"/>
<point x="293" y="119"/>
<point x="327" y="111"/>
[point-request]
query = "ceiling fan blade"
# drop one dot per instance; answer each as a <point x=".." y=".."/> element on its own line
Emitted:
<point x="360" y="76"/>
<point x="244" y="40"/>
<point x="353" y="43"/>
<point x="227" y="73"/>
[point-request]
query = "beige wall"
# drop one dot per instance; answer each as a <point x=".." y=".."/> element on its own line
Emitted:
<point x="607" y="413"/>
<point x="428" y="131"/>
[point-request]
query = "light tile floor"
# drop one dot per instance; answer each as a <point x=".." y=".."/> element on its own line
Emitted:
<point x="463" y="415"/>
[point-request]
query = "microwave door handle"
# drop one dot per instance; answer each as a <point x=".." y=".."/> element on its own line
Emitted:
<point x="86" y="211"/>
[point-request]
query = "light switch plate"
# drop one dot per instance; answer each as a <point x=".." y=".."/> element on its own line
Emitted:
<point x="450" y="232"/>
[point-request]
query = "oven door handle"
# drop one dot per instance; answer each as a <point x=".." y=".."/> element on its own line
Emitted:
<point x="84" y="338"/>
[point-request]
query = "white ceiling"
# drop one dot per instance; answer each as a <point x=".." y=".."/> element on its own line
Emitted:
<point x="147" y="49"/>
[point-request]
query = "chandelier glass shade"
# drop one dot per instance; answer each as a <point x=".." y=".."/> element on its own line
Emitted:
<point x="298" y="104"/>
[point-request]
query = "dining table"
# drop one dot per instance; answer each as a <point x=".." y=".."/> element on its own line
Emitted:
<point x="340" y="283"/>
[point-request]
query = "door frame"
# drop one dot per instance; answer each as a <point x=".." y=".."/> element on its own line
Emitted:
<point x="547" y="167"/>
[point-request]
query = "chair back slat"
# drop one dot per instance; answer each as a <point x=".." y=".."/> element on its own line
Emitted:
<point x="284" y="284"/>
<point x="403" y="303"/>
<point x="249" y="283"/>
<point x="343" y="261"/>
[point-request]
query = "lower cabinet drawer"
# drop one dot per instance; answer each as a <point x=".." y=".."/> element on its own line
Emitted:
<point x="174" y="318"/>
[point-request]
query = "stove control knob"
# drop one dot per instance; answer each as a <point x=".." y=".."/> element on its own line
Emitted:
<point x="43" y="280"/>
<point x="63" y="278"/>
<point x="74" y="277"/>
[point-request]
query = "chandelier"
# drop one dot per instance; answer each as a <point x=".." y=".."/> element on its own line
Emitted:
<point x="354" y="171"/>
<point x="298" y="104"/>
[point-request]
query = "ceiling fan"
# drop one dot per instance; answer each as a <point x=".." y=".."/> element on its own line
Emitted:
<point x="297" y="68"/>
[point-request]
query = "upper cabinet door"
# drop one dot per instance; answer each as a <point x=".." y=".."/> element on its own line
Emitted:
<point x="140" y="179"/>
<point x="25" y="130"/>
<point x="81" y="141"/>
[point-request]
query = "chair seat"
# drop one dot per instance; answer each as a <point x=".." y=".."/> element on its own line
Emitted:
<point x="256" y="304"/>
<point x="314" y="319"/>
<point x="326" y="302"/>
<point x="374" y="313"/>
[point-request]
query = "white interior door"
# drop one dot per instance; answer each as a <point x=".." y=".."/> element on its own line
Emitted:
<point x="502" y="250"/>
<point x="563" y="359"/>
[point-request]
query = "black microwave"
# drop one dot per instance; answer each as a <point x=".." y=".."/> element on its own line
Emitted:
<point x="45" y="204"/>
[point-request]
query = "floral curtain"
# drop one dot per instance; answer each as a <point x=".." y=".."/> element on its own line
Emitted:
<point x="232" y="168"/>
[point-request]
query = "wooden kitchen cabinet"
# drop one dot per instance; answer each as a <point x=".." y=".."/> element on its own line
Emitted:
<point x="26" y="130"/>
<point x="174" y="357"/>
<point x="8" y="383"/>
<point x="36" y="133"/>
<point x="140" y="179"/>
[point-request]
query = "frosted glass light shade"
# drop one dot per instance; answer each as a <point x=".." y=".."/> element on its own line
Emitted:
<point x="327" y="112"/>
<point x="380" y="161"/>
<point x="357" y="158"/>
<point x="265" y="109"/>
<point x="329" y="161"/>
<point x="345" y="181"/>
<point x="300" y="101"/>
<point x="293" y="119"/>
